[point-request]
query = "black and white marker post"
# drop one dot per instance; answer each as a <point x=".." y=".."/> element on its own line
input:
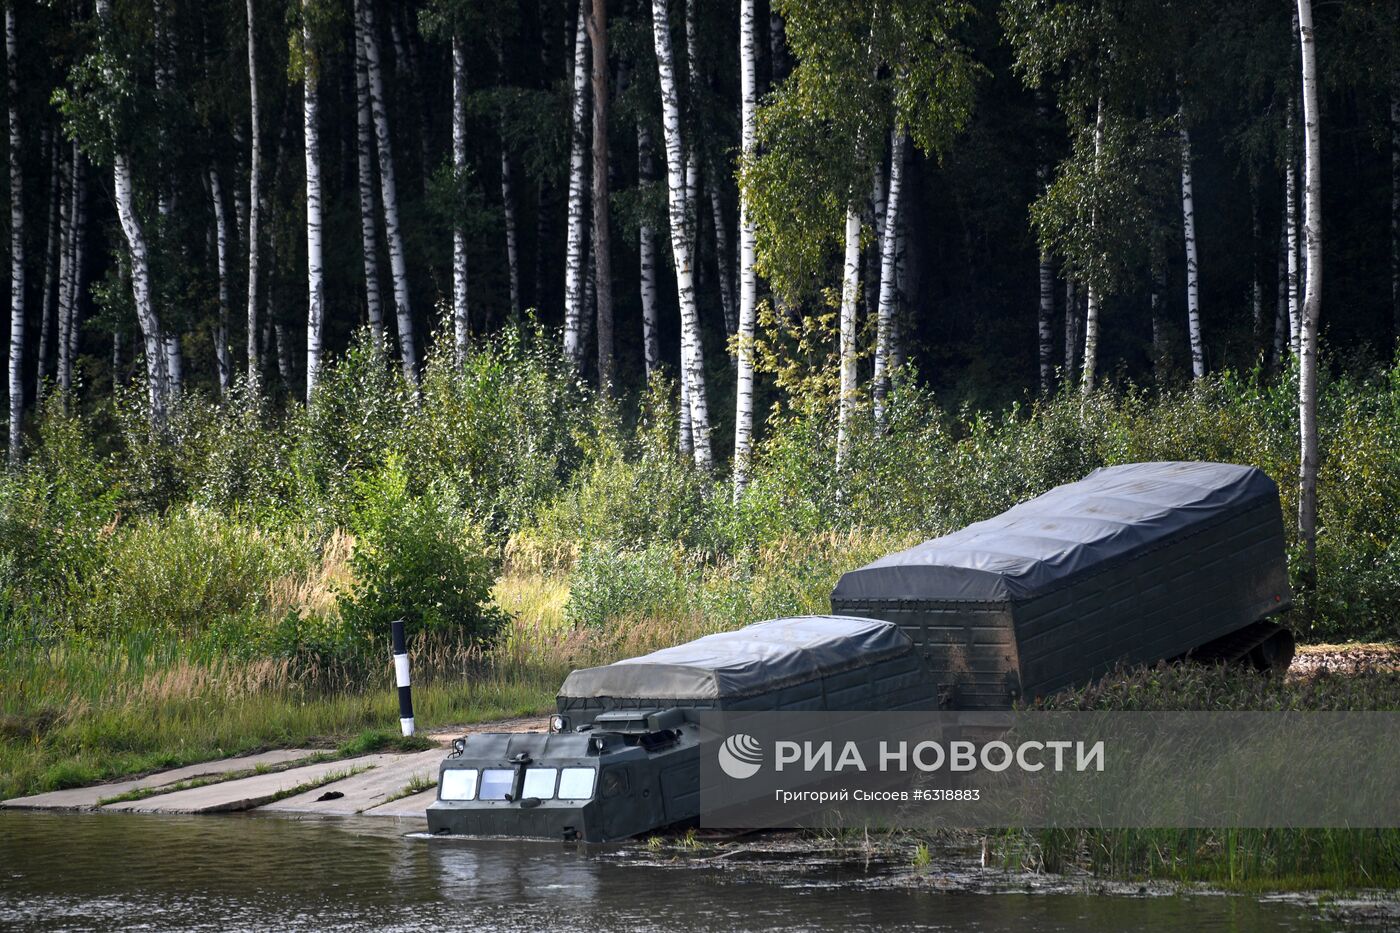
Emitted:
<point x="401" y="677"/>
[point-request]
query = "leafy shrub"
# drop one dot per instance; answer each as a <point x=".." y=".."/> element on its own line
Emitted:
<point x="500" y="427"/>
<point x="630" y="492"/>
<point x="191" y="575"/>
<point x="419" y="558"/>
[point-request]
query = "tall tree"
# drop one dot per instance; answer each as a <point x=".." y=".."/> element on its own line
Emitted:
<point x="692" y="350"/>
<point x="461" y="320"/>
<point x="364" y="152"/>
<point x="1188" y="225"/>
<point x="889" y="282"/>
<point x="602" y="238"/>
<point x="315" y="275"/>
<point x="113" y="77"/>
<point x="646" y="254"/>
<point x="16" y="238"/>
<point x="68" y="316"/>
<point x="53" y="248"/>
<point x="223" y="359"/>
<point x="1312" y="298"/>
<point x="389" y="191"/>
<point x="748" y="279"/>
<point x="574" y="261"/>
<point x="255" y="201"/>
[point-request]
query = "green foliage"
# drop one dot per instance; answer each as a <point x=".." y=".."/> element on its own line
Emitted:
<point x="419" y="558"/>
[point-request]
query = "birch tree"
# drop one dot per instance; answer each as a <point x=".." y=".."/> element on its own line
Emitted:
<point x="53" y="247"/>
<point x="646" y="254"/>
<point x="364" y="160"/>
<point x="222" y="357"/>
<point x="889" y="283"/>
<point x="850" y="291"/>
<point x="1091" y="308"/>
<point x="16" y="238"/>
<point x="255" y="202"/>
<point x="1188" y="226"/>
<point x="98" y="109"/>
<point x="388" y="191"/>
<point x="1312" y="299"/>
<point x="602" y="238"/>
<point x="692" y="352"/>
<point x="574" y="263"/>
<point x="1046" y="311"/>
<point x="748" y="279"/>
<point x="461" y="321"/>
<point x="68" y="316"/>
<point x="315" y="278"/>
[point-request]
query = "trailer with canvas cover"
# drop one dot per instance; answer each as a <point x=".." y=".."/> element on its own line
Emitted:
<point x="1132" y="564"/>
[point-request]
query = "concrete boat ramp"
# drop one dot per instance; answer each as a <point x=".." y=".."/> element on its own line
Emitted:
<point x="288" y="781"/>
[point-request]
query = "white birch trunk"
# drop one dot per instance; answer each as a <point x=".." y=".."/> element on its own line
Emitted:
<point x="67" y="288"/>
<point x="884" y="326"/>
<point x="1091" y="311"/>
<point x="646" y="251"/>
<point x="692" y="351"/>
<point x="315" y="278"/>
<point x="124" y="194"/>
<point x="1071" y="328"/>
<point x="68" y="349"/>
<point x="896" y="339"/>
<point x="369" y="234"/>
<point x="574" y="263"/>
<point x="1188" y="224"/>
<point x="1046" y="313"/>
<point x="850" y="293"/>
<point x="16" y="240"/>
<point x="389" y="193"/>
<point x="1312" y="300"/>
<point x="254" y="205"/>
<point x="461" y="318"/>
<point x="222" y="357"/>
<point x="54" y="246"/>
<point x="748" y="279"/>
<point x="1290" y="207"/>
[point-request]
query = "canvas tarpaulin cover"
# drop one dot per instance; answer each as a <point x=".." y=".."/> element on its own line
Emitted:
<point x="1112" y="514"/>
<point x="755" y="659"/>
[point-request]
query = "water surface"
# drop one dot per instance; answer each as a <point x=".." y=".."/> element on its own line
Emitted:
<point x="249" y="872"/>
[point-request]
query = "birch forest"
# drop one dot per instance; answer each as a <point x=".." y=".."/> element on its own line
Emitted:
<point x="549" y="285"/>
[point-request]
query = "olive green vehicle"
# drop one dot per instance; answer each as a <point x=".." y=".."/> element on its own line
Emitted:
<point x="1133" y="564"/>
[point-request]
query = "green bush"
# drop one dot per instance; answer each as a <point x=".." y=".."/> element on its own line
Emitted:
<point x="191" y="576"/>
<point x="420" y="558"/>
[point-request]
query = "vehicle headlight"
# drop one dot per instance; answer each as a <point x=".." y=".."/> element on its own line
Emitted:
<point x="559" y="723"/>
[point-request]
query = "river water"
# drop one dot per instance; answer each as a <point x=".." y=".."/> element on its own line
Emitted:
<point x="249" y="872"/>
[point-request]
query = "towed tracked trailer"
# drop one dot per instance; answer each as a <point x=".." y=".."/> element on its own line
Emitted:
<point x="1132" y="564"/>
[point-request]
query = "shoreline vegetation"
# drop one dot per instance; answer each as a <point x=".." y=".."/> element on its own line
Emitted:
<point x="226" y="586"/>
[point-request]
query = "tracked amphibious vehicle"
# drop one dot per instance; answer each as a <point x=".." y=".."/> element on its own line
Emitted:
<point x="1132" y="564"/>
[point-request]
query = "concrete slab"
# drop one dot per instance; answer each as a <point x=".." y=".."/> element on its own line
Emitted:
<point x="406" y="807"/>
<point x="364" y="791"/>
<point x="86" y="798"/>
<point x="245" y="793"/>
